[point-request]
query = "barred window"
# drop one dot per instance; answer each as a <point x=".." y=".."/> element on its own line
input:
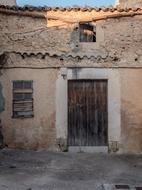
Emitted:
<point x="87" y="32"/>
<point x="22" y="99"/>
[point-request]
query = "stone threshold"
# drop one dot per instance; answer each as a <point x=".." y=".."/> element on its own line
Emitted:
<point x="88" y="149"/>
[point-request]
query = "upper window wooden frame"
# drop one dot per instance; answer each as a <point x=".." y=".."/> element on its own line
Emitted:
<point x="87" y="32"/>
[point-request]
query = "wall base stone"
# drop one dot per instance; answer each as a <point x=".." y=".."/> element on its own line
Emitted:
<point x="62" y="144"/>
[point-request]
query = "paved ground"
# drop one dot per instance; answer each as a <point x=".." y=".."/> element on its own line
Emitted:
<point x="29" y="170"/>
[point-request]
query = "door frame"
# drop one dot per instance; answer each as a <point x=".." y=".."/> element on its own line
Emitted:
<point x="114" y="106"/>
<point x="80" y="147"/>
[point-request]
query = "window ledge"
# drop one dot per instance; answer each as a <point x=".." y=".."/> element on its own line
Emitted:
<point x="22" y="117"/>
<point x="89" y="45"/>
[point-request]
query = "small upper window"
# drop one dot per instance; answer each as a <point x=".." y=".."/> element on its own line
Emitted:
<point x="87" y="32"/>
<point x="22" y="99"/>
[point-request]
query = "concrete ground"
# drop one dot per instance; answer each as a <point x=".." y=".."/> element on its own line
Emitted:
<point x="41" y="170"/>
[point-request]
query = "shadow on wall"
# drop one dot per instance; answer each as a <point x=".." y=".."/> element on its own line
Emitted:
<point x="1" y="137"/>
<point x="2" y="103"/>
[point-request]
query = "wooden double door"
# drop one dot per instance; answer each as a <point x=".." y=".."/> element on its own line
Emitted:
<point x="87" y="113"/>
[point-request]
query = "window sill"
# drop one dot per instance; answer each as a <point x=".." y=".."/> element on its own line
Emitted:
<point x="22" y="117"/>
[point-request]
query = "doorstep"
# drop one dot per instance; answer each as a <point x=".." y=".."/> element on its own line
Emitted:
<point x="88" y="149"/>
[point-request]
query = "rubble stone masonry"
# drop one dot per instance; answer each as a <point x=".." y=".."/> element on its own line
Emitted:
<point x="129" y="3"/>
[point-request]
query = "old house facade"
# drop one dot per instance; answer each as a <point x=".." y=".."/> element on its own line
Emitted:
<point x="71" y="78"/>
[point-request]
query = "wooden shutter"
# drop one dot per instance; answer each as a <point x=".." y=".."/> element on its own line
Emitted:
<point x="22" y="99"/>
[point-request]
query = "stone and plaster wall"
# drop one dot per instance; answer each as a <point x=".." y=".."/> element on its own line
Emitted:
<point x="39" y="131"/>
<point x="118" y="40"/>
<point x="8" y="2"/>
<point x="129" y="3"/>
<point x="38" y="49"/>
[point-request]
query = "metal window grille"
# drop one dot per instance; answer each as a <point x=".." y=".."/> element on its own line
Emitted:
<point x="87" y="32"/>
<point x="22" y="99"/>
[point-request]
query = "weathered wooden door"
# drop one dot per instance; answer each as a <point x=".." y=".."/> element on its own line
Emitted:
<point x="87" y="113"/>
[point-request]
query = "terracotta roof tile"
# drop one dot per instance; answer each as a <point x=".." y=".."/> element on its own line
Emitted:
<point x="76" y="8"/>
